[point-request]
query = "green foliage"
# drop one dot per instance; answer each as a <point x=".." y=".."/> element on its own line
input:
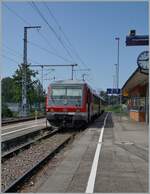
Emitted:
<point x="17" y="77"/>
<point x="117" y="109"/>
<point x="12" y="87"/>
<point x="8" y="88"/>
<point x="6" y="112"/>
<point x="114" y="108"/>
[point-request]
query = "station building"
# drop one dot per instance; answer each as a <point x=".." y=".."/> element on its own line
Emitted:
<point x="136" y="89"/>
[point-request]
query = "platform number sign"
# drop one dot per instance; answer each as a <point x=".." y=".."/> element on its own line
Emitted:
<point x="113" y="91"/>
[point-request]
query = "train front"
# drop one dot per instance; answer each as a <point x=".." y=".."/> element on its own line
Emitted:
<point x="65" y="105"/>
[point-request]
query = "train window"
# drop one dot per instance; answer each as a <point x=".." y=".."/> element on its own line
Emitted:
<point x="66" y="96"/>
<point x="58" y="92"/>
<point x="74" y="92"/>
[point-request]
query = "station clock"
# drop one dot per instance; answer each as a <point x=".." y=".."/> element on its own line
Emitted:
<point x="143" y="60"/>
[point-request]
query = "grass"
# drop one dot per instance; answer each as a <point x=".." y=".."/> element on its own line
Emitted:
<point x="116" y="109"/>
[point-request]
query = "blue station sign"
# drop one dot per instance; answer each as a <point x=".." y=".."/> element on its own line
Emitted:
<point x="113" y="91"/>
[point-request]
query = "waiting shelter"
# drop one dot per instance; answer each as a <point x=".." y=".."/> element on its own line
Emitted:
<point x="136" y="89"/>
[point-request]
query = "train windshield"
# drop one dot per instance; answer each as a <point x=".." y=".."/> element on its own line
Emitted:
<point x="65" y="96"/>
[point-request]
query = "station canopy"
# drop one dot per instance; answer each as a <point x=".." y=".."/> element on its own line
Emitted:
<point x="137" y="78"/>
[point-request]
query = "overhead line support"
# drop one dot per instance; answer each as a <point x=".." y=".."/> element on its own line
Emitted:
<point x="24" y="72"/>
<point x="72" y="67"/>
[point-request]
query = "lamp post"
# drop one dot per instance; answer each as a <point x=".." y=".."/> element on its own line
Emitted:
<point x="119" y="93"/>
<point x="116" y="83"/>
<point x="117" y="68"/>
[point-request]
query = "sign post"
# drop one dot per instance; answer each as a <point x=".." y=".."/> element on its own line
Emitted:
<point x="136" y="40"/>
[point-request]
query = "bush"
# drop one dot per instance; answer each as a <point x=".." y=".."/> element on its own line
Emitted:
<point x="6" y="112"/>
<point x="114" y="108"/>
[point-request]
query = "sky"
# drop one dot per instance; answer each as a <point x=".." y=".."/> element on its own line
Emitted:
<point x="90" y="27"/>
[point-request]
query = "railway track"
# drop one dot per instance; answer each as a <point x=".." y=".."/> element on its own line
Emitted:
<point x="18" y="168"/>
<point x="15" y="150"/>
<point x="17" y="120"/>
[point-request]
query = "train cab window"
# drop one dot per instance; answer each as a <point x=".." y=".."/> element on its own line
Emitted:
<point x="66" y="96"/>
<point x="74" y="93"/>
<point x="58" y="92"/>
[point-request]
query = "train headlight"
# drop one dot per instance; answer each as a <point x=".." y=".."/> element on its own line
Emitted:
<point x="52" y="110"/>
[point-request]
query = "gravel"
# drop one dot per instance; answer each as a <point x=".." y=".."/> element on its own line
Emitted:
<point x="16" y="166"/>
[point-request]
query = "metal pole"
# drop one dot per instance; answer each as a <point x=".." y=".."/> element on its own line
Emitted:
<point x="72" y="72"/>
<point x="119" y="99"/>
<point x="25" y="46"/>
<point x="118" y="64"/>
<point x="117" y="38"/>
<point x="24" y="73"/>
<point x="83" y="75"/>
<point x="42" y="76"/>
<point x="116" y="82"/>
<point x="24" y="76"/>
<point x="113" y="89"/>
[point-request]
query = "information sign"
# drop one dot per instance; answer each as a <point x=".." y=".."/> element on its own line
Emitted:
<point x="113" y="91"/>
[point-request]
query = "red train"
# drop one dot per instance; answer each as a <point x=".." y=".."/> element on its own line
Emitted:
<point x="71" y="103"/>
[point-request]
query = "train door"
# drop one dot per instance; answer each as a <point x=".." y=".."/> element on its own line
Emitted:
<point x="89" y="105"/>
<point x="99" y="107"/>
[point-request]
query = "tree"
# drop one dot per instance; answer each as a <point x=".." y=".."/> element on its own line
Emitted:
<point x="12" y="87"/>
<point x="39" y="94"/>
<point x="6" y="112"/>
<point x="8" y="89"/>
<point x="30" y="83"/>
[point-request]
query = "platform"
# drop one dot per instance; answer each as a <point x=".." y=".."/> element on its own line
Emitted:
<point x="122" y="164"/>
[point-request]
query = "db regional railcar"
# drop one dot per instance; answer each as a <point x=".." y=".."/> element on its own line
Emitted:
<point x="71" y="103"/>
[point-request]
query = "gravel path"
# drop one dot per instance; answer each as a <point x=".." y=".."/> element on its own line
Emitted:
<point x="16" y="166"/>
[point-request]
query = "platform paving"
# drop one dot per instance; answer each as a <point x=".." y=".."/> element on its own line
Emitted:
<point x="123" y="161"/>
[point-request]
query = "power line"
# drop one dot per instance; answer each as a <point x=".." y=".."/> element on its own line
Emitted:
<point x="21" y="18"/>
<point x="37" y="45"/>
<point x="47" y="41"/>
<point x="53" y="17"/>
<point x="48" y="51"/>
<point x="26" y="22"/>
<point x="11" y="59"/>
<point x="43" y="37"/>
<point x="64" y="34"/>
<point x="51" y="28"/>
<point x="13" y="52"/>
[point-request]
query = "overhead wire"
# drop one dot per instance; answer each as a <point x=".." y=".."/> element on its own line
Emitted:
<point x="19" y="54"/>
<point x="44" y="38"/>
<point x="38" y="46"/>
<point x="51" y="29"/>
<point x="16" y="14"/>
<point x="48" y="51"/>
<point x="64" y="34"/>
<point x="11" y="59"/>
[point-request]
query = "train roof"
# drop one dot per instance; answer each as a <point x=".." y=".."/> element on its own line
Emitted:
<point x="65" y="82"/>
<point x="76" y="82"/>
